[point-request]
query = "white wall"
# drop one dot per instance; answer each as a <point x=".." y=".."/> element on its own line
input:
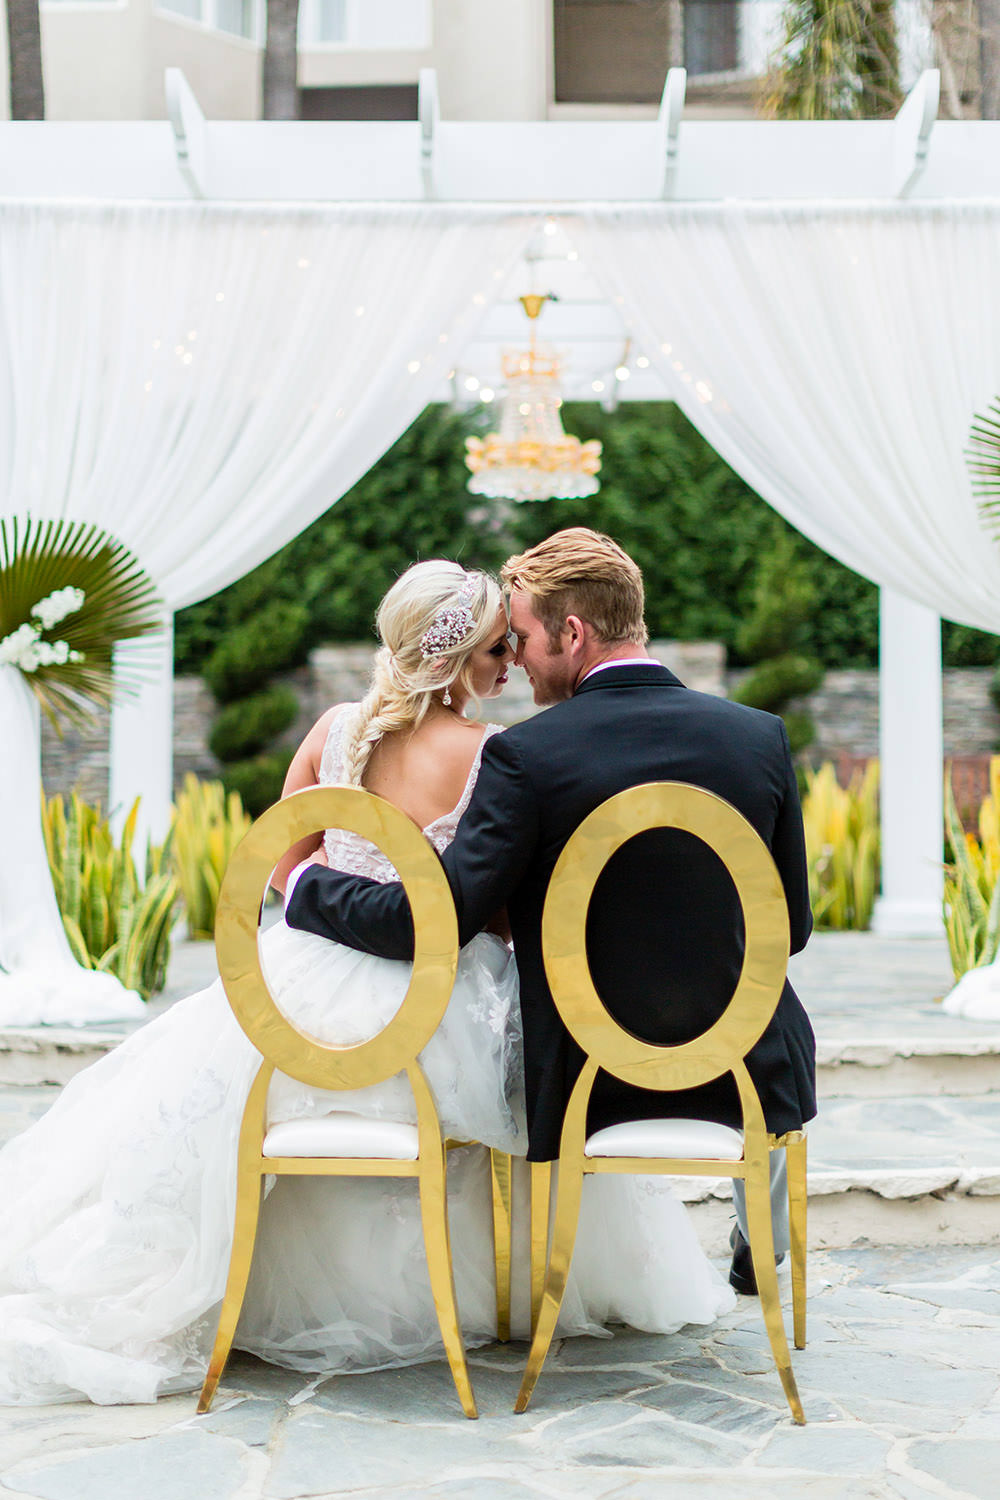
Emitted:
<point x="491" y="60"/>
<point x="223" y="71"/>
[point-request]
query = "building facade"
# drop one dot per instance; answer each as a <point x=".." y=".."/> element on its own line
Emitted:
<point x="360" y="59"/>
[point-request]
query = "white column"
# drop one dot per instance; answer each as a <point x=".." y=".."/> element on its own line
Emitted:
<point x="142" y="730"/>
<point x="910" y="735"/>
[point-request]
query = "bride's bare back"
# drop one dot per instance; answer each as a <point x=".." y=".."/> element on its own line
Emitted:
<point x="423" y="771"/>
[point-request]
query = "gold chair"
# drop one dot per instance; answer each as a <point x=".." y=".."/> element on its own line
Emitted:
<point x="337" y="1145"/>
<point x="668" y="1146"/>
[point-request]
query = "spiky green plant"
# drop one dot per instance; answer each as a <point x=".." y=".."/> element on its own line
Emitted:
<point x="971" y="887"/>
<point x="837" y="60"/>
<point x="983" y="457"/>
<point x="207" y="826"/>
<point x="842" y="847"/>
<point x="38" y="558"/>
<point x="114" y="921"/>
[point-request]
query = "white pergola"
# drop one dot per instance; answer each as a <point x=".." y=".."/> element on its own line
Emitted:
<point x="557" y="179"/>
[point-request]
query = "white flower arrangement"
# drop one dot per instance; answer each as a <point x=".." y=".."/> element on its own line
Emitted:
<point x="24" y="647"/>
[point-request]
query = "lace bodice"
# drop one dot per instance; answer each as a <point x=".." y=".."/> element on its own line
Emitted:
<point x="356" y="856"/>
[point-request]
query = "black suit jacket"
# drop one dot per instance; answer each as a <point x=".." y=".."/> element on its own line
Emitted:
<point x="664" y="933"/>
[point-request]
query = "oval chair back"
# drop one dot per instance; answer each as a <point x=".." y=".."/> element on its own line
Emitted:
<point x="331" y="1145"/>
<point x="719" y="1050"/>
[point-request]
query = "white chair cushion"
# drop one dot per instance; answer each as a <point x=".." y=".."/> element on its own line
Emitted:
<point x="702" y="1139"/>
<point x="343" y="1135"/>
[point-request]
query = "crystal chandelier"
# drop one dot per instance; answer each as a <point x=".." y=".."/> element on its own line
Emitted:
<point x="531" y="457"/>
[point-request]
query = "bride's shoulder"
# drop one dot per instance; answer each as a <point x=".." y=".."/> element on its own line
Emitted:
<point x="308" y="759"/>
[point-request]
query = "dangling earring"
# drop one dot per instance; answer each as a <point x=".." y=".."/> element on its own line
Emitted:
<point x="446" y="697"/>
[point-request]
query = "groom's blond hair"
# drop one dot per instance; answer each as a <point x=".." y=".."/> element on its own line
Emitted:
<point x="580" y="572"/>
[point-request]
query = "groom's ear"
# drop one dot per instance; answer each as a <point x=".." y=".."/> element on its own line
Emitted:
<point x="577" y="632"/>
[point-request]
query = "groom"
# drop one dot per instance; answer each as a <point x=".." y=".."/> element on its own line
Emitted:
<point x="664" y="932"/>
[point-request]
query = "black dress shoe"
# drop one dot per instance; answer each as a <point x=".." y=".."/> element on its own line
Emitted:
<point x="741" y="1272"/>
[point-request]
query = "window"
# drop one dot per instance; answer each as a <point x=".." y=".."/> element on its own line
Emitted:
<point x="389" y="25"/>
<point x="618" y="51"/>
<point x="237" y="17"/>
<point x="710" y="37"/>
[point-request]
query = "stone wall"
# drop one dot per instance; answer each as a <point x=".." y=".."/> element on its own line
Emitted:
<point x="845" y="710"/>
<point x="335" y="674"/>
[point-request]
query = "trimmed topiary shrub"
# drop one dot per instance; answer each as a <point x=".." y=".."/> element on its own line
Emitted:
<point x="247" y="725"/>
<point x="258" y="780"/>
<point x="774" y="681"/>
<point x="773" y="635"/>
<point x="273" y="638"/>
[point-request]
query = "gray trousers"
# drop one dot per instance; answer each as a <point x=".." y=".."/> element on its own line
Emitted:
<point x="779" y="1203"/>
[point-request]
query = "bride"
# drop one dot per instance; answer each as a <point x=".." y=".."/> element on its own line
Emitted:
<point x="119" y="1202"/>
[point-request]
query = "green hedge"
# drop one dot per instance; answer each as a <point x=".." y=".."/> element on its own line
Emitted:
<point x="258" y="780"/>
<point x="696" y="529"/>
<point x="244" y="727"/>
<point x="277" y="635"/>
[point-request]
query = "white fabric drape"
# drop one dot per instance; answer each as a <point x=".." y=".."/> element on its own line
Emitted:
<point x="40" y="980"/>
<point x="205" y="380"/>
<point x="835" y="355"/>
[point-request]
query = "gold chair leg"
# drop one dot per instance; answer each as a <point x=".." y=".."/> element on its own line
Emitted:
<point x="795" y="1156"/>
<point x="500" y="1176"/>
<point x="434" y="1216"/>
<point x="541" y="1201"/>
<point x="248" y="1197"/>
<point x="568" y="1191"/>
<point x="762" y="1252"/>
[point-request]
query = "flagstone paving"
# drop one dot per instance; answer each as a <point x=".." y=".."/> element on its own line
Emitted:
<point x="901" y="1379"/>
<point x="900" y="1382"/>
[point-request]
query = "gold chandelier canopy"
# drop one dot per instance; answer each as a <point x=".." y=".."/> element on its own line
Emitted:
<point x="531" y="457"/>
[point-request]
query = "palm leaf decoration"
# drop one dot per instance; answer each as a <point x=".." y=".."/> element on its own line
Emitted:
<point x="37" y="558"/>
<point x="983" y="454"/>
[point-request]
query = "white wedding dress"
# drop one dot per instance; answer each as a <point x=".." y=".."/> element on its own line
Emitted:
<point x="118" y="1204"/>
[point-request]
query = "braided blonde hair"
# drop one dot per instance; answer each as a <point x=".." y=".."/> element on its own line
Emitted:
<point x="404" y="680"/>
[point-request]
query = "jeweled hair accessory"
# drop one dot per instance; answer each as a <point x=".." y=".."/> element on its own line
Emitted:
<point x="451" y="624"/>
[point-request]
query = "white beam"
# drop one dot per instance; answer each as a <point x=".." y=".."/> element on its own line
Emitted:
<point x="142" y="728"/>
<point x="671" y="110"/>
<point x="910" y="736"/>
<point x="911" y="136"/>
<point x="429" y="115"/>
<point x="188" y="125"/>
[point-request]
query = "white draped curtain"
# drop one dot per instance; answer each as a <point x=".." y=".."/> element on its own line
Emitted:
<point x="835" y="355"/>
<point x="204" y="381"/>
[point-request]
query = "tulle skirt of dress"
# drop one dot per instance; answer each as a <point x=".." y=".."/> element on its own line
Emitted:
<point x="118" y="1204"/>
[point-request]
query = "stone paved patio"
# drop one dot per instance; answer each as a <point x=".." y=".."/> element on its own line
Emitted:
<point x="901" y="1379"/>
<point x="901" y="1386"/>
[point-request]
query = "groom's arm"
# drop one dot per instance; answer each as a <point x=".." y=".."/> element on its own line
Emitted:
<point x="495" y="841"/>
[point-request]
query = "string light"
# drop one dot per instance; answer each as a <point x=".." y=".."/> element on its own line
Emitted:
<point x="471" y="383"/>
<point x="487" y="393"/>
<point x="413" y="366"/>
<point x="642" y="362"/>
<point x="622" y="372"/>
<point x="598" y="385"/>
